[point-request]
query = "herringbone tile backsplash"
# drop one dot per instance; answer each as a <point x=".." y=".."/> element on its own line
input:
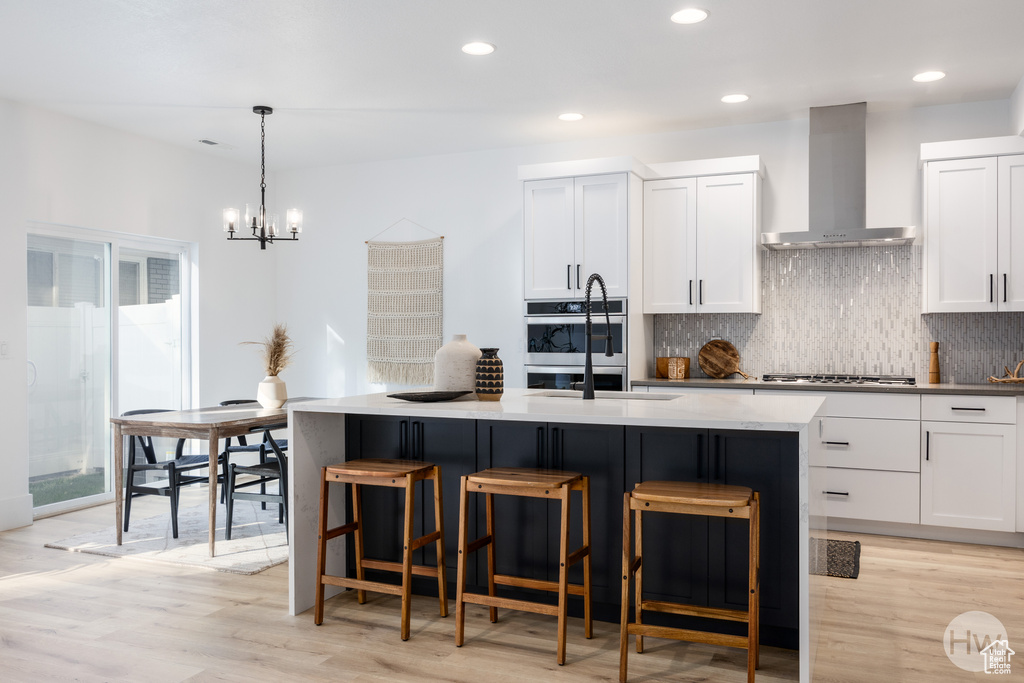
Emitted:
<point x="849" y="310"/>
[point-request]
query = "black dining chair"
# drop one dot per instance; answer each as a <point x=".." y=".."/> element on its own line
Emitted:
<point x="179" y="471"/>
<point x="273" y="467"/>
<point x="242" y="446"/>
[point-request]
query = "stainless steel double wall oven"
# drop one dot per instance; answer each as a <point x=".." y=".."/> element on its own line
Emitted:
<point x="555" y="341"/>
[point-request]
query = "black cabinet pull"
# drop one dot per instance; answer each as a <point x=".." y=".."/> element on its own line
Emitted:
<point x="577" y="276"/>
<point x="977" y="410"/>
<point x="927" y="445"/>
<point x="717" y="458"/>
<point x="836" y="493"/>
<point x="691" y="292"/>
<point x="700" y="292"/>
<point x="540" y="446"/>
<point x="1004" y="288"/>
<point x="837" y="443"/>
<point x="991" y="282"/>
<point x="568" y="276"/>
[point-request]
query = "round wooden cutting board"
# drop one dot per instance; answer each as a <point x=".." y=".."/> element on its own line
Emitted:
<point x="719" y="359"/>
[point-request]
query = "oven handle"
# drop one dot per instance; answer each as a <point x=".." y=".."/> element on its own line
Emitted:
<point x="578" y="369"/>
<point x="616" y="319"/>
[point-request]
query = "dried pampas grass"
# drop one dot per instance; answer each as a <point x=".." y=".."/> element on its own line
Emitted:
<point x="277" y="350"/>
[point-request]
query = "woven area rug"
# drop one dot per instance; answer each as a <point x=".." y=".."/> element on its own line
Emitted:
<point x="257" y="540"/>
<point x="404" y="310"/>
<point x="835" y="558"/>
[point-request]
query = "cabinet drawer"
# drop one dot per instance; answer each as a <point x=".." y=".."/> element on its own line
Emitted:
<point x="700" y="390"/>
<point x="872" y="444"/>
<point x="1000" y="409"/>
<point x="858" y="404"/>
<point x="874" y="495"/>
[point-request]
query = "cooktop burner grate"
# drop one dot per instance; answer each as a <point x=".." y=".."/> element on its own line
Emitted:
<point x="884" y="380"/>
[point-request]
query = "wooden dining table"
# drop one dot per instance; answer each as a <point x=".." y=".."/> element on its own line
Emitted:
<point x="209" y="424"/>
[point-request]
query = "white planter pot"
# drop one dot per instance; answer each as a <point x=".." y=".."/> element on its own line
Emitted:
<point x="272" y="392"/>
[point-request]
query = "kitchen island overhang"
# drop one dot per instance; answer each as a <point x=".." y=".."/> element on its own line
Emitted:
<point x="318" y="438"/>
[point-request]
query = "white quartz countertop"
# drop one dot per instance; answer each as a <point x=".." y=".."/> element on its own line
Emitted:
<point x="709" y="411"/>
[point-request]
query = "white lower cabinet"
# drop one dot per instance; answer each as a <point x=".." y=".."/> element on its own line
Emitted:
<point x="968" y="475"/>
<point x="873" y="495"/>
<point x="700" y="390"/>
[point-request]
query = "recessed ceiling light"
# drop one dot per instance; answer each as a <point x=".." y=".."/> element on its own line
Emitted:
<point x="929" y="76"/>
<point x="478" y="48"/>
<point x="733" y="99"/>
<point x="690" y="15"/>
<point x="570" y="116"/>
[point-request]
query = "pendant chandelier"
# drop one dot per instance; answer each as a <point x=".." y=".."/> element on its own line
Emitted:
<point x="264" y="227"/>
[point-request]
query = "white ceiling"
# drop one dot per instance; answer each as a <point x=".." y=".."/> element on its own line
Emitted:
<point x="359" y="80"/>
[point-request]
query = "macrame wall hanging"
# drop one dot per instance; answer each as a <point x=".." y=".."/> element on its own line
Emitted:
<point x="405" y="283"/>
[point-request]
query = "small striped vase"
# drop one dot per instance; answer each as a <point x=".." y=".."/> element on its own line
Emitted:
<point x="490" y="376"/>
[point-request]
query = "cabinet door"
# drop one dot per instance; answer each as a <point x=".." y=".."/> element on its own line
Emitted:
<point x="960" y="254"/>
<point x="1011" y="233"/>
<point x="676" y="564"/>
<point x="766" y="462"/>
<point x="596" y="451"/>
<point x="520" y="523"/>
<point x="728" y="268"/>
<point x="549" y="227"/>
<point x="451" y="445"/>
<point x="670" y="245"/>
<point x="601" y="232"/>
<point x="968" y="475"/>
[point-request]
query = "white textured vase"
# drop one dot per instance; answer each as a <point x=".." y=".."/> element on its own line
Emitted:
<point x="455" y="365"/>
<point x="272" y="392"/>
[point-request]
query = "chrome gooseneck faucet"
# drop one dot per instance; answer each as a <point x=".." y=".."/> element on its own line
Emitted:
<point x="588" y="368"/>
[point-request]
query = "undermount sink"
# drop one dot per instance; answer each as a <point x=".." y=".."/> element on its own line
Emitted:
<point x="628" y="395"/>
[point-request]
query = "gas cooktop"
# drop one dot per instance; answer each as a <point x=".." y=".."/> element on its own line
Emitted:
<point x="887" y="380"/>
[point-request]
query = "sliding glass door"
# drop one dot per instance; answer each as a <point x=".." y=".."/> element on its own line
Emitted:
<point x="102" y="339"/>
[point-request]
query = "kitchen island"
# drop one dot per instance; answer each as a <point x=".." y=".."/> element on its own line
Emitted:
<point x="768" y="443"/>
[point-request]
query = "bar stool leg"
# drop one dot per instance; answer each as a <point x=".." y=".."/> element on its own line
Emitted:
<point x="410" y="497"/>
<point x="321" y="550"/>
<point x="442" y="571"/>
<point x="563" y="575"/>
<point x="627" y="561"/>
<point x="357" y="519"/>
<point x="588" y="622"/>
<point x="491" y="558"/>
<point x="460" y="574"/>
<point x="638" y="599"/>
<point x="754" y="604"/>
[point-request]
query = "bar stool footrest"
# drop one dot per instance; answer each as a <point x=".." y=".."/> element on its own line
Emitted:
<point x="694" y="611"/>
<point x="536" y="584"/>
<point x="510" y="603"/>
<point x="396" y="567"/>
<point x="691" y="636"/>
<point x="363" y="585"/>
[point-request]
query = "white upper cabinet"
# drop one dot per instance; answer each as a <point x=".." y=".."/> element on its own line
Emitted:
<point x="701" y="245"/>
<point x="974" y="235"/>
<point x="575" y="227"/>
<point x="1011" y="233"/>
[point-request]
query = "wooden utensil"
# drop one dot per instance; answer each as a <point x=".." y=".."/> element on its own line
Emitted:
<point x="719" y="359"/>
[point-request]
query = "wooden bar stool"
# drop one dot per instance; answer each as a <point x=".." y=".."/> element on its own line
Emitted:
<point x="710" y="500"/>
<point x="533" y="483"/>
<point x="393" y="474"/>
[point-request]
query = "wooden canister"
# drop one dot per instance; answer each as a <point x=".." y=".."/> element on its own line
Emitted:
<point x="661" y="368"/>
<point x="933" y="364"/>
<point x="679" y="368"/>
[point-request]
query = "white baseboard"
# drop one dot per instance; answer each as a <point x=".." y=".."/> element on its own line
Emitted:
<point x="15" y="512"/>
<point x="931" y="533"/>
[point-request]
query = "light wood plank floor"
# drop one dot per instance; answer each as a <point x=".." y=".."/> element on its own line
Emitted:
<point x="69" y="616"/>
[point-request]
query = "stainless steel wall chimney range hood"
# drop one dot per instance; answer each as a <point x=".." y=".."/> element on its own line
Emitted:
<point x="837" y="178"/>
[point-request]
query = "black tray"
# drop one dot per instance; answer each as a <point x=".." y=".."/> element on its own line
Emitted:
<point x="429" y="396"/>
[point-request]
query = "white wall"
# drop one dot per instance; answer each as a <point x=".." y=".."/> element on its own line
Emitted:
<point x="475" y="200"/>
<point x="55" y="169"/>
